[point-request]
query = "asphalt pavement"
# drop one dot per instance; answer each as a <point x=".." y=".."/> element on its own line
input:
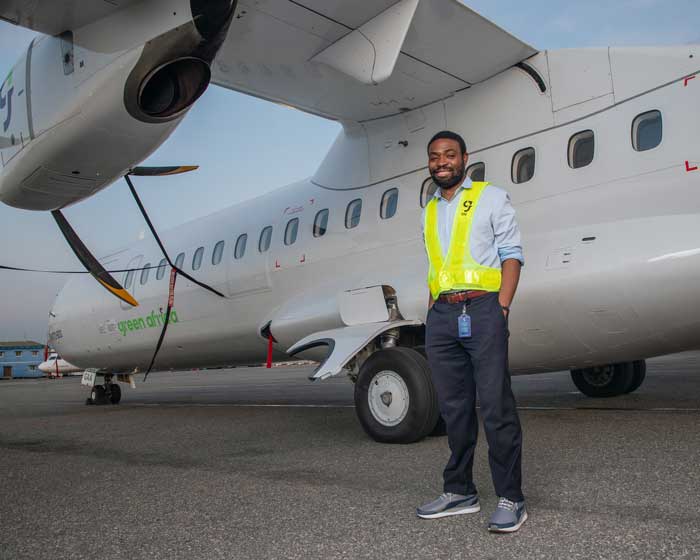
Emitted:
<point x="256" y="463"/>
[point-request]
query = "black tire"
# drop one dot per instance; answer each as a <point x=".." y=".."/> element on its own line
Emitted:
<point x="98" y="395"/>
<point x="639" y="373"/>
<point x="604" y="381"/>
<point x="115" y="394"/>
<point x="420" y="414"/>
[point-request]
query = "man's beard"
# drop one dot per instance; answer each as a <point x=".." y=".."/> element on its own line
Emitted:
<point x="451" y="182"/>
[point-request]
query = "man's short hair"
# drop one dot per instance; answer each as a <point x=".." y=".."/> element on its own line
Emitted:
<point x="449" y="135"/>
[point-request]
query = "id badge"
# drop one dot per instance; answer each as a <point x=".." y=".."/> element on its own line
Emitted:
<point x="464" y="326"/>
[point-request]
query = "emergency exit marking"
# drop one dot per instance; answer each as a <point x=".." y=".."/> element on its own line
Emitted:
<point x="685" y="82"/>
<point x="688" y="168"/>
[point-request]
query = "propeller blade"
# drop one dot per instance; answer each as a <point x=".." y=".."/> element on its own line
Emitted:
<point x="162" y="171"/>
<point x="142" y="208"/>
<point x="92" y="265"/>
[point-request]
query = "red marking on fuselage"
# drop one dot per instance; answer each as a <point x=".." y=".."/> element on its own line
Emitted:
<point x="688" y="168"/>
<point x="303" y="259"/>
<point x="269" y="351"/>
<point x="685" y="82"/>
<point x="277" y="264"/>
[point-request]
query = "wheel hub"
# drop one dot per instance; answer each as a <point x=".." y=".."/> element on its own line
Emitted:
<point x="388" y="398"/>
<point x="599" y="376"/>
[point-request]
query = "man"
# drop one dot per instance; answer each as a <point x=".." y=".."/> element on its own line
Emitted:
<point x="474" y="253"/>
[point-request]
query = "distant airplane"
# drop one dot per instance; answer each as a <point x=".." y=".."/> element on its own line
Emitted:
<point x="598" y="149"/>
<point x="55" y="366"/>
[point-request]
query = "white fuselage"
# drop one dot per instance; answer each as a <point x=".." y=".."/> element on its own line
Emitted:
<point x="612" y="249"/>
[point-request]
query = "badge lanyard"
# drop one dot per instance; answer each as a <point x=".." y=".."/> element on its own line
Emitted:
<point x="464" y="323"/>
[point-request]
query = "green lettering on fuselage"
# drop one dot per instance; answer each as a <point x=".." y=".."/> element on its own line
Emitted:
<point x="151" y="321"/>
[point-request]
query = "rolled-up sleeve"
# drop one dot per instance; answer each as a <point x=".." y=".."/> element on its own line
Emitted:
<point x="507" y="232"/>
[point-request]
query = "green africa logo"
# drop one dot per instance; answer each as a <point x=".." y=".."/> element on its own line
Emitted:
<point x="148" y="322"/>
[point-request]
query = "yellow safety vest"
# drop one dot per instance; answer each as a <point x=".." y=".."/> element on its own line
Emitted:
<point x="458" y="270"/>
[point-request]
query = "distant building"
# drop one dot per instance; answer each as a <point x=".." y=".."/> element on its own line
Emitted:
<point x="21" y="358"/>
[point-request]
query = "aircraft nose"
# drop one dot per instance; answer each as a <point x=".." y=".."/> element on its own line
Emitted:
<point x="58" y="314"/>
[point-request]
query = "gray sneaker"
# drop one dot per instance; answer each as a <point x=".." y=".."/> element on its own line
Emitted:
<point x="449" y="504"/>
<point x="508" y="517"/>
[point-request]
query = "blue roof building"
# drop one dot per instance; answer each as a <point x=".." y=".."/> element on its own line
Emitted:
<point x="20" y="359"/>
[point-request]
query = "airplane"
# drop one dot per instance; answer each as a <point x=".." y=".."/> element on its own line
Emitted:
<point x="596" y="147"/>
<point x="55" y="366"/>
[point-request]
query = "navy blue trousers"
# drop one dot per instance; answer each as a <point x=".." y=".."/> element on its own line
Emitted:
<point x="463" y="368"/>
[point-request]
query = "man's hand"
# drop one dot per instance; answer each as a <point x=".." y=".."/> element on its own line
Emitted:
<point x="509" y="283"/>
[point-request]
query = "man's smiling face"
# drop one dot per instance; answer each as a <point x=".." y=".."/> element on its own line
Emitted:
<point x="446" y="163"/>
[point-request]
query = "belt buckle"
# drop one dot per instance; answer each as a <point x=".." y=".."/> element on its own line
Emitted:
<point x="456" y="297"/>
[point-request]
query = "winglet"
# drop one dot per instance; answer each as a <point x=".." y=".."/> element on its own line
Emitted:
<point x="369" y="53"/>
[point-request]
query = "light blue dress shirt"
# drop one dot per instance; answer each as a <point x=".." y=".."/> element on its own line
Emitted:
<point x="495" y="236"/>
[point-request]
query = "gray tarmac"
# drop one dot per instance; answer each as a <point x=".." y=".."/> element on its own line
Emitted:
<point x="256" y="463"/>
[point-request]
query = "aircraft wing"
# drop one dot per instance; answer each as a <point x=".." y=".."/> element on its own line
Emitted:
<point x="348" y="60"/>
<point x="356" y="60"/>
<point x="53" y="17"/>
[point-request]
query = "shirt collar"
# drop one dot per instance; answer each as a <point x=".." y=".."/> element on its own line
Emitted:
<point x="466" y="185"/>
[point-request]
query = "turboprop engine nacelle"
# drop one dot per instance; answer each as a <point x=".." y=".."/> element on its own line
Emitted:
<point x="80" y="109"/>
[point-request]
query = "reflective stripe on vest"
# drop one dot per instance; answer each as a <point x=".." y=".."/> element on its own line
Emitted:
<point x="458" y="270"/>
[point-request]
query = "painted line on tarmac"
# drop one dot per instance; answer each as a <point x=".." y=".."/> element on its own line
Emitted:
<point x="608" y="408"/>
<point x="238" y="405"/>
<point x="526" y="408"/>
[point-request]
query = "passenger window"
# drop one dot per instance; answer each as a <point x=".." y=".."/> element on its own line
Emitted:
<point x="581" y="149"/>
<point x="239" y="251"/>
<point x="161" y="269"/>
<point x="427" y="191"/>
<point x="477" y="171"/>
<point x="647" y="130"/>
<point x="265" y="239"/>
<point x="180" y="260"/>
<point x="197" y="258"/>
<point x="353" y="213"/>
<point x="129" y="279"/>
<point x="321" y="223"/>
<point x="218" y="253"/>
<point x="390" y="201"/>
<point x="144" y="273"/>
<point x="290" y="234"/>
<point x="523" y="167"/>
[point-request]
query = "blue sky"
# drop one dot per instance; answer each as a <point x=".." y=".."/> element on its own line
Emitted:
<point x="246" y="146"/>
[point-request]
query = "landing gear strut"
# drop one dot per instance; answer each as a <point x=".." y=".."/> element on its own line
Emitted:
<point x="610" y="380"/>
<point x="105" y="394"/>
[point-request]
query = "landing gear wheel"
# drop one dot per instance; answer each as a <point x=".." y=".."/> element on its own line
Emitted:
<point x="604" y="381"/>
<point x="115" y="394"/>
<point x="639" y="373"/>
<point x="394" y="396"/>
<point x="98" y="395"/>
